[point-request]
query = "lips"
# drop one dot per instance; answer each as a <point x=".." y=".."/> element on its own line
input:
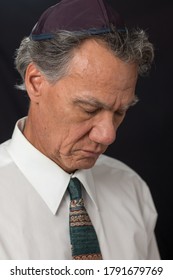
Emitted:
<point x="92" y="153"/>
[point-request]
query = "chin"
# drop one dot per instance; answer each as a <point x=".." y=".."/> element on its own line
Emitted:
<point x="72" y="166"/>
<point x="85" y="164"/>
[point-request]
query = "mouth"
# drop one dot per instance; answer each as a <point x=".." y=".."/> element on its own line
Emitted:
<point x="92" y="154"/>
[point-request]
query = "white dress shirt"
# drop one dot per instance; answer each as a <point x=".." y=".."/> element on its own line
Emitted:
<point x="34" y="206"/>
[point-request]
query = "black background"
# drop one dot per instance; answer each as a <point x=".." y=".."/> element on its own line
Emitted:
<point x="145" y="139"/>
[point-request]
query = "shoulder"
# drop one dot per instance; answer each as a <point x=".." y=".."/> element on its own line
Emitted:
<point x="113" y="167"/>
<point x="119" y="179"/>
<point x="6" y="169"/>
<point x="120" y="184"/>
<point x="126" y="198"/>
<point x="5" y="159"/>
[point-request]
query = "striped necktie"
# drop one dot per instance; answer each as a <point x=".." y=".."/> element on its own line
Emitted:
<point x="83" y="237"/>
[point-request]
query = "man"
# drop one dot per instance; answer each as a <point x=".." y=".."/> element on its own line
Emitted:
<point x="79" y="67"/>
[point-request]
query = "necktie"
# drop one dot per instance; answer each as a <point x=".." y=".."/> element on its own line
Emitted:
<point x="83" y="237"/>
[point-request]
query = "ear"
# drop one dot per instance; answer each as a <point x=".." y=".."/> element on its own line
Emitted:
<point x="34" y="80"/>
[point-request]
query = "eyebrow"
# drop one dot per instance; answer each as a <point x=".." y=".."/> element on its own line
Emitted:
<point x="92" y="101"/>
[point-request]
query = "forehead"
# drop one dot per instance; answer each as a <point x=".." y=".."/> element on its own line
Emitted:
<point x="95" y="64"/>
<point x="96" y="73"/>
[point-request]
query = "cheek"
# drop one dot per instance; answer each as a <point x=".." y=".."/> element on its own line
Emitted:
<point x="62" y="126"/>
<point x="50" y="127"/>
<point x="75" y="135"/>
<point x="53" y="114"/>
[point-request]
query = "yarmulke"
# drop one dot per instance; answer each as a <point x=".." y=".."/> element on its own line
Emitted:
<point x="90" y="16"/>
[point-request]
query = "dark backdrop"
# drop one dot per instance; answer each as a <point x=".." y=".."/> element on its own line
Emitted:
<point x="145" y="138"/>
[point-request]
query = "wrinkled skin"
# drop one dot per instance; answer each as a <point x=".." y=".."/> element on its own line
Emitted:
<point x="74" y="120"/>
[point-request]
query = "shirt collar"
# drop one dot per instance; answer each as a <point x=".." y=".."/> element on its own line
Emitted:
<point x="48" y="179"/>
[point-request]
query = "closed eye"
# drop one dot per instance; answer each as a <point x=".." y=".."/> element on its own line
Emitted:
<point x="93" y="111"/>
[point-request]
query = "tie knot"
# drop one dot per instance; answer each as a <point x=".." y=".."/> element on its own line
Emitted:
<point x="74" y="188"/>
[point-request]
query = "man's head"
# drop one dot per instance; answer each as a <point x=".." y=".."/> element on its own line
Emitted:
<point x="80" y="85"/>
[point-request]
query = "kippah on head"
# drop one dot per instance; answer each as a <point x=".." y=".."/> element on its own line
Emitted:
<point x="90" y="16"/>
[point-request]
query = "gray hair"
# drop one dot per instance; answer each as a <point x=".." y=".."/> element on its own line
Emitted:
<point x="52" y="56"/>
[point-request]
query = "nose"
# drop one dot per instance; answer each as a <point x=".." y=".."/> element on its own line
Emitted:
<point x="103" y="132"/>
